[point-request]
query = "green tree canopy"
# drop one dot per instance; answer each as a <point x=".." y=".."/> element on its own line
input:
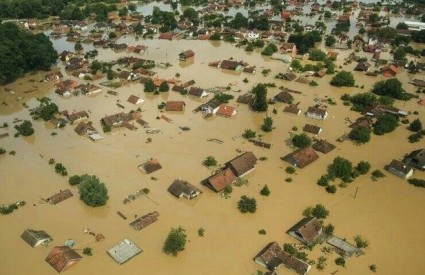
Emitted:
<point x="149" y="86"/>
<point x="25" y="128"/>
<point x="93" y="192"/>
<point x="268" y="124"/>
<point x="164" y="87"/>
<point x="391" y="87"/>
<point x="247" y="204"/>
<point x="360" y="134"/>
<point x="175" y="242"/>
<point x="340" y="168"/>
<point x="343" y="78"/>
<point x="416" y="125"/>
<point x="385" y="123"/>
<point x="260" y="102"/>
<point x="301" y="140"/>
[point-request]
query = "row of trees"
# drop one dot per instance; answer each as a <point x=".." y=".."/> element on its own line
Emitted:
<point x="22" y="52"/>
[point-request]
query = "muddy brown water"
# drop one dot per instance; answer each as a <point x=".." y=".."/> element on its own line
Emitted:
<point x="386" y="212"/>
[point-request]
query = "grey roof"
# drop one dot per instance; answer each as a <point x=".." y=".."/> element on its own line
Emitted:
<point x="347" y="248"/>
<point x="33" y="237"/>
<point x="180" y="187"/>
<point x="124" y="251"/>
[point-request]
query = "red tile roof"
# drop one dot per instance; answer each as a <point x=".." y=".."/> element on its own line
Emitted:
<point x="220" y="180"/>
<point x="62" y="257"/>
<point x="226" y="110"/>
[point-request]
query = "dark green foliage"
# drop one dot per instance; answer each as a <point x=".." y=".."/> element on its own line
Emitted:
<point x="78" y="47"/>
<point x="47" y="109"/>
<point x="330" y="40"/>
<point x="262" y="232"/>
<point x="305" y="41"/>
<point x="343" y="78"/>
<point x="418" y="36"/>
<point x="323" y="180"/>
<point x="25" y="128"/>
<point x="360" y="242"/>
<point x="60" y="169"/>
<point x="265" y="191"/>
<point x="87" y="251"/>
<point x="290" y="170"/>
<point x="164" y="87"/>
<point x="373" y="267"/>
<point x="416" y="137"/>
<point x="146" y="191"/>
<point x="215" y="37"/>
<point x="317" y="55"/>
<point x="313" y="83"/>
<point x="385" y="123"/>
<point x="7" y="209"/>
<point x="417" y="182"/>
<point x="391" y="87"/>
<point x="400" y="54"/>
<point x="228" y="190"/>
<point x="74" y="180"/>
<point x="260" y="101"/>
<point x="269" y="50"/>
<point x="164" y="18"/>
<point x="301" y="140"/>
<point x="175" y="242"/>
<point x="247" y="204"/>
<point x="319" y="211"/>
<point x="415" y="126"/>
<point x="377" y="174"/>
<point x="331" y="189"/>
<point x="329" y="229"/>
<point x="225" y="98"/>
<point x="2" y="151"/>
<point x="363" y="167"/>
<point x="360" y="134"/>
<point x="292" y="250"/>
<point x="201" y="232"/>
<point x="340" y="168"/>
<point x="210" y="161"/>
<point x="239" y="21"/>
<point x="340" y="261"/>
<point x="249" y="134"/>
<point x="93" y="192"/>
<point x="22" y="52"/>
<point x="267" y="125"/>
<point x="259" y="23"/>
<point x="149" y="86"/>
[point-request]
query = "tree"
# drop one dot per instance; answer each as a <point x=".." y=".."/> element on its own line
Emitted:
<point x="320" y="212"/>
<point x="329" y="229"/>
<point x="123" y="11"/>
<point x="385" y="123"/>
<point x="78" y="47"/>
<point x="164" y="87"/>
<point x="317" y="55"/>
<point x="327" y="14"/>
<point x="330" y="41"/>
<point x="268" y="124"/>
<point x="391" y="87"/>
<point x="343" y="78"/>
<point x="87" y="251"/>
<point x="149" y="86"/>
<point x="132" y="7"/>
<point x="340" y="261"/>
<point x="417" y="182"/>
<point x="74" y="180"/>
<point x="60" y="169"/>
<point x="265" y="191"/>
<point x="210" y="161"/>
<point x="301" y="140"/>
<point x="418" y="36"/>
<point x="260" y="102"/>
<point x="92" y="192"/>
<point x="190" y="14"/>
<point x="360" y="242"/>
<point x="360" y="134"/>
<point x="96" y="66"/>
<point x="331" y="189"/>
<point x="400" y="54"/>
<point x="25" y="128"/>
<point x="249" y="134"/>
<point x="340" y="168"/>
<point x="402" y="26"/>
<point x="323" y="180"/>
<point x="239" y="21"/>
<point x="268" y="51"/>
<point x="47" y="109"/>
<point x="247" y="204"/>
<point x="175" y="242"/>
<point x="415" y="126"/>
<point x="363" y="167"/>
<point x="215" y="37"/>
<point x="112" y="35"/>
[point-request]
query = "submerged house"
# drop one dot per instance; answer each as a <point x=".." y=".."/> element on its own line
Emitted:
<point x="307" y="231"/>
<point x="284" y="96"/>
<point x="342" y="247"/>
<point x="145" y="220"/>
<point x="219" y="181"/>
<point x="273" y="257"/>
<point x="175" y="106"/>
<point x="226" y="110"/>
<point x="135" y="100"/>
<point x="243" y="164"/>
<point x="197" y="92"/>
<point x="301" y="157"/>
<point x="61" y="258"/>
<point x="312" y="129"/>
<point x="400" y="169"/>
<point x="316" y="112"/>
<point x="323" y="146"/>
<point x="124" y="251"/>
<point x="60" y="197"/>
<point x="36" y="237"/>
<point x="186" y="55"/>
<point x="150" y="166"/>
<point x="416" y="159"/>
<point x="181" y="188"/>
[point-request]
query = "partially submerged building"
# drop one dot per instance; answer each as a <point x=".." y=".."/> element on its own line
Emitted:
<point x="301" y="157"/>
<point x="307" y="231"/>
<point x="399" y="169"/>
<point x="150" y="166"/>
<point x="60" y="197"/>
<point x="145" y="220"/>
<point x="181" y="188"/>
<point x="342" y="247"/>
<point x="36" y="237"/>
<point x="124" y="251"/>
<point x="61" y="258"/>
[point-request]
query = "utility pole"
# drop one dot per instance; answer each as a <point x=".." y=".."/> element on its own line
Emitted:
<point x="355" y="195"/>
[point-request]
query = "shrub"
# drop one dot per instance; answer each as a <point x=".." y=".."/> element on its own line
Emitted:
<point x="228" y="190"/>
<point x="201" y="232"/>
<point x="329" y="229"/>
<point x="288" y="179"/>
<point x="87" y="251"/>
<point x="247" y="204"/>
<point x="377" y="174"/>
<point x="60" y="169"/>
<point x="417" y="182"/>
<point x="210" y="161"/>
<point x="262" y="232"/>
<point x="146" y="191"/>
<point x="415" y="126"/>
<point x="323" y="180"/>
<point x="313" y="83"/>
<point x="2" y="151"/>
<point x="290" y="170"/>
<point x="175" y="242"/>
<point x="360" y="242"/>
<point x="249" y="134"/>
<point x="363" y="167"/>
<point x="51" y="161"/>
<point x="340" y="261"/>
<point x="265" y="191"/>
<point x="268" y="124"/>
<point x="74" y="180"/>
<point x="373" y="268"/>
<point x="331" y="189"/>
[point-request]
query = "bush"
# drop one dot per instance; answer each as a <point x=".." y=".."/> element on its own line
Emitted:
<point x="25" y="128"/>
<point x="288" y="179"/>
<point x="360" y="242"/>
<point x="331" y="189"/>
<point x="175" y="242"/>
<point x="319" y="211"/>
<point x="146" y="191"/>
<point x="93" y="192"/>
<point x="340" y="261"/>
<point x="301" y="140"/>
<point x="51" y="161"/>
<point x="415" y="126"/>
<point x="385" y="123"/>
<point x="363" y="167"/>
<point x="249" y="134"/>
<point x="360" y="134"/>
<point x="417" y="182"/>
<point x="247" y="204"/>
<point x="210" y="161"/>
<point x="323" y="181"/>
<point x="313" y="83"/>
<point x="60" y="169"/>
<point x="201" y="232"/>
<point x="290" y="170"/>
<point x="228" y="190"/>
<point x="87" y="251"/>
<point x="268" y="124"/>
<point x="74" y="180"/>
<point x="373" y="268"/>
<point x="377" y="174"/>
<point x="329" y="229"/>
<point x="2" y="151"/>
<point x="262" y="232"/>
<point x="265" y="191"/>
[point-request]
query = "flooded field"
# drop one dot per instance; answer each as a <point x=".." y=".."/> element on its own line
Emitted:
<point x="386" y="212"/>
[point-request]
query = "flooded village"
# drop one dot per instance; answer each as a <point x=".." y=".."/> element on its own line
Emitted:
<point x="216" y="137"/>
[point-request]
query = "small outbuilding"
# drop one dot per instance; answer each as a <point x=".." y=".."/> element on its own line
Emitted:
<point x="124" y="251"/>
<point x="181" y="188"/>
<point x="150" y="166"/>
<point x="186" y="55"/>
<point x="36" y="237"/>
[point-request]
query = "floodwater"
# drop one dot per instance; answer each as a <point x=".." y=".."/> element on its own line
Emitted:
<point x="386" y="212"/>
